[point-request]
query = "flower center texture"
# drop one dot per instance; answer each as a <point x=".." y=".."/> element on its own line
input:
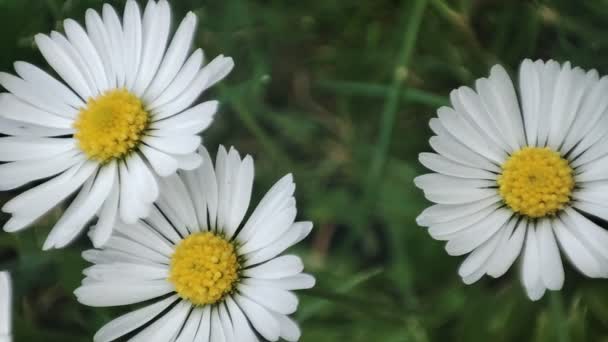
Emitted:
<point x="204" y="268"/>
<point x="111" y="125"/>
<point x="536" y="182"/>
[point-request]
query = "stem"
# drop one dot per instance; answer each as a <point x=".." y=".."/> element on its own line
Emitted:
<point x="379" y="90"/>
<point x="558" y="317"/>
<point x="387" y="122"/>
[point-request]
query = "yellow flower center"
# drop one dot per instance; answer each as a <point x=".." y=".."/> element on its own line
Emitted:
<point x="111" y="125"/>
<point x="536" y="182"/>
<point x="204" y="268"/>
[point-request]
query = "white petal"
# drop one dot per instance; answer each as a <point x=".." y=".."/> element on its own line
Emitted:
<point x="174" y="144"/>
<point x="183" y="79"/>
<point x="188" y="162"/>
<point x="114" y="28"/>
<point x="16" y="174"/>
<point x="81" y="65"/>
<point x="443" y="213"/>
<point x="63" y="65"/>
<point x="295" y="234"/>
<point x="529" y="85"/>
<point x="146" y="236"/>
<point x="204" y="79"/>
<point x="509" y="248"/>
<point x="102" y="43"/>
<point x="297" y="282"/>
<point x="168" y="326"/>
<point x="471" y="238"/>
<point x="81" y="42"/>
<point x="450" y="148"/>
<point x="217" y="329"/>
<point x="578" y="254"/>
<point x="274" y="299"/>
<point x="132" y="29"/>
<point x="80" y="212"/>
<point x="174" y="58"/>
<point x="158" y="221"/>
<point x="131" y="321"/>
<point x="279" y="196"/>
<point x="108" y="216"/>
<point x="447" y="230"/>
<point x="40" y="80"/>
<point x="162" y="163"/>
<point x="31" y="95"/>
<point x="445" y="166"/>
<point x="290" y="331"/>
<point x="20" y="111"/>
<point x="135" y="248"/>
<point x="281" y="267"/>
<point x="226" y="322"/>
<point x="6" y="303"/>
<point x="191" y="326"/>
<point x="242" y="329"/>
<point x="32" y="204"/>
<point x="22" y="148"/>
<point x="203" y="333"/>
<point x="155" y="30"/>
<point x="531" y="272"/>
<point x="113" y="294"/>
<point x="552" y="270"/>
<point x="260" y="318"/>
<point x="192" y="121"/>
<point x="23" y="129"/>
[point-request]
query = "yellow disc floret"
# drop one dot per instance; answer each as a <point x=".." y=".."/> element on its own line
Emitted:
<point x="536" y="182"/>
<point x="204" y="268"/>
<point x="111" y="125"/>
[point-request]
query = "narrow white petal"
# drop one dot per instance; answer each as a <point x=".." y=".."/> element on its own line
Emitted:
<point x="531" y="271"/>
<point x="445" y="166"/>
<point x="183" y="79"/>
<point x="274" y="299"/>
<point x="63" y="65"/>
<point x="281" y="267"/>
<point x="261" y="319"/>
<point x="131" y="321"/>
<point x="509" y="248"/>
<point x="167" y="327"/>
<point x="174" y="58"/>
<point x="474" y="236"/>
<point x="6" y="307"/>
<point x="155" y="31"/>
<point x="552" y="270"/>
<point x="106" y="294"/>
<point x="20" y="111"/>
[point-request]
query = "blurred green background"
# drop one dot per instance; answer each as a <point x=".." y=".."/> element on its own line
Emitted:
<point x="339" y="92"/>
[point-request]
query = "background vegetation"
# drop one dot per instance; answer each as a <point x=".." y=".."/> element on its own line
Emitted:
<point x="339" y="92"/>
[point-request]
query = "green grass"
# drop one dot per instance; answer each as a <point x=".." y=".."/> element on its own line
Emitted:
<point x="340" y="94"/>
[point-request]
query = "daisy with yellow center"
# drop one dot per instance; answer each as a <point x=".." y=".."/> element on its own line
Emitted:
<point x="211" y="278"/>
<point x="122" y="115"/>
<point x="522" y="176"/>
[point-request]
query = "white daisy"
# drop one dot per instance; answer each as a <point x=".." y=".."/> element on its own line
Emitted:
<point x="512" y="178"/>
<point x="212" y="279"/>
<point x="5" y="307"/>
<point x="123" y="116"/>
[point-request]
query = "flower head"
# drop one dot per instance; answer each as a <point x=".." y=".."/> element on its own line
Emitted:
<point x="522" y="175"/>
<point x="213" y="278"/>
<point x="121" y="115"/>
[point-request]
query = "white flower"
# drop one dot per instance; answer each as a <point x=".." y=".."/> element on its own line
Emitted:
<point x="214" y="280"/>
<point x="512" y="179"/>
<point x="6" y="299"/>
<point x="122" y="117"/>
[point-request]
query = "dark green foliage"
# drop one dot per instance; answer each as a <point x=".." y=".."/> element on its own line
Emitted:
<point x="340" y="93"/>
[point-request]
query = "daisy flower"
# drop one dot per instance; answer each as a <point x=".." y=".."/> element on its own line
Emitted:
<point x="5" y="307"/>
<point x="210" y="278"/>
<point x="121" y="115"/>
<point x="522" y="175"/>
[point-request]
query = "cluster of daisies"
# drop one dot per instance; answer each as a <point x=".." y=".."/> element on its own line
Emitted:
<point x="117" y="133"/>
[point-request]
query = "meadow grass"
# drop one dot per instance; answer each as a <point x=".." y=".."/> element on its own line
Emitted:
<point x="340" y="93"/>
